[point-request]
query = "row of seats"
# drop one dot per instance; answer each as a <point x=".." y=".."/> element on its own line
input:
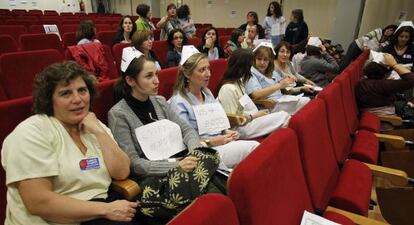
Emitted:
<point x="38" y="12"/>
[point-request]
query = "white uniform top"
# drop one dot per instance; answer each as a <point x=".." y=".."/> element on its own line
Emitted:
<point x="41" y="147"/>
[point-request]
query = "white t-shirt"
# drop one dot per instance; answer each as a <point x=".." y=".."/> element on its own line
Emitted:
<point x="41" y="147"/>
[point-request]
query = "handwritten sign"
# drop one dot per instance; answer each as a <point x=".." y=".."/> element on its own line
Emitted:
<point x="248" y="105"/>
<point x="312" y="219"/>
<point x="210" y="118"/>
<point x="52" y="29"/>
<point x="160" y="140"/>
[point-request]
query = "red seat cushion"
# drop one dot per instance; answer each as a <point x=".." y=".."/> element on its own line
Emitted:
<point x="365" y="147"/>
<point x="338" y="218"/>
<point x="369" y="121"/>
<point x="353" y="188"/>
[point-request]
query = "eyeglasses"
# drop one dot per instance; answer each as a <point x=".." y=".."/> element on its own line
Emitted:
<point x="178" y="37"/>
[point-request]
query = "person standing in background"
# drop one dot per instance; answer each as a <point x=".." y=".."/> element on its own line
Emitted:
<point x="274" y="23"/>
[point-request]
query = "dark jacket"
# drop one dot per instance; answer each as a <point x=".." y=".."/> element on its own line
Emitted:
<point x="260" y="30"/>
<point x="173" y="58"/>
<point x="314" y="68"/>
<point x="296" y="33"/>
<point x="406" y="58"/>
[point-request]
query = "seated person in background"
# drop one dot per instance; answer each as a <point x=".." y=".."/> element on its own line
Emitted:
<point x="168" y="22"/>
<point x="252" y="20"/>
<point x="250" y="38"/>
<point x="235" y="101"/>
<point x="144" y="20"/>
<point x="60" y="162"/>
<point x="210" y="44"/>
<point x="125" y="31"/>
<point x="265" y="83"/>
<point x="140" y="108"/>
<point x="142" y="41"/>
<point x="190" y="92"/>
<point x="176" y="41"/>
<point x="376" y="93"/>
<point x="284" y="68"/>
<point x="186" y="23"/>
<point x="236" y="39"/>
<point x="317" y="63"/>
<point x="86" y="33"/>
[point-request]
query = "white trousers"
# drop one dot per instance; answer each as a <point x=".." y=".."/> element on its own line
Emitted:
<point x="291" y="107"/>
<point x="234" y="152"/>
<point x="264" y="125"/>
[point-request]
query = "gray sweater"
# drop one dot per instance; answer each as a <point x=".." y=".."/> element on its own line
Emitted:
<point x="123" y="122"/>
<point x="314" y="68"/>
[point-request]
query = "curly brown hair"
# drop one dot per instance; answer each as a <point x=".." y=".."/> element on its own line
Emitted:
<point x="46" y="82"/>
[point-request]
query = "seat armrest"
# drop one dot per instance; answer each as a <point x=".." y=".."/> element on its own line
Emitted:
<point x="237" y="120"/>
<point x="128" y="188"/>
<point x="397" y="177"/>
<point x="396" y="141"/>
<point x="394" y="120"/>
<point x="357" y="219"/>
<point x="267" y="103"/>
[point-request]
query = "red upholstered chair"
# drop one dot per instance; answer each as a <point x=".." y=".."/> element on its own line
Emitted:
<point x="65" y="28"/>
<point x="13" y="30"/>
<point x="229" y="30"/>
<point x="18" y="12"/>
<point x="117" y="54"/>
<point x="199" y="33"/>
<point x="36" y="29"/>
<point x="19" y="69"/>
<point x="221" y="31"/>
<point x="7" y="44"/>
<point x="269" y="187"/>
<point x="66" y="14"/>
<point x="106" y="37"/>
<point x="349" y="188"/>
<point x="105" y="100"/>
<point x="69" y="39"/>
<point x="365" y="145"/>
<point x="40" y="41"/>
<point x="50" y="13"/>
<point x="35" y="12"/>
<point x="208" y="209"/>
<point x="223" y="40"/>
<point x="103" y="27"/>
<point x="72" y="21"/>
<point x="194" y="41"/>
<point x="167" y="79"/>
<point x="160" y="49"/>
<point x="217" y="67"/>
<point x="156" y="34"/>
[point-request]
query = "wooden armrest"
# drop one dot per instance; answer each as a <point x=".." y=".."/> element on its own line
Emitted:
<point x="394" y="120"/>
<point x="396" y="141"/>
<point x="267" y="103"/>
<point x="358" y="219"/>
<point x="397" y="177"/>
<point x="128" y="188"/>
<point x="237" y="120"/>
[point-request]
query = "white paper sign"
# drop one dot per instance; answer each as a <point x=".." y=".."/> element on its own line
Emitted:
<point x="377" y="57"/>
<point x="210" y="118"/>
<point x="275" y="29"/>
<point x="52" y="29"/>
<point x="248" y="105"/>
<point x="312" y="219"/>
<point x="394" y="75"/>
<point x="289" y="98"/>
<point x="160" y="140"/>
<point x="315" y="88"/>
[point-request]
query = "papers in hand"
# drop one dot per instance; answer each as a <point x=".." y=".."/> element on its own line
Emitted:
<point x="377" y="57"/>
<point x="160" y="140"/>
<point x="312" y="219"/>
<point x="210" y="117"/>
<point x="289" y="98"/>
<point x="395" y="76"/>
<point x="315" y="88"/>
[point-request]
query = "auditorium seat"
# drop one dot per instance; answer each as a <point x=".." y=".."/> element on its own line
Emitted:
<point x="19" y="69"/>
<point x="117" y="54"/>
<point x="156" y="34"/>
<point x="208" y="209"/>
<point x="65" y="28"/>
<point x="194" y="41"/>
<point x="105" y="100"/>
<point x="7" y="44"/>
<point x="69" y="39"/>
<point x="103" y="27"/>
<point x="106" y="37"/>
<point x="50" y="13"/>
<point x="167" y="79"/>
<point x="40" y="41"/>
<point x="217" y="68"/>
<point x="13" y="30"/>
<point x="223" y="40"/>
<point x="160" y="49"/>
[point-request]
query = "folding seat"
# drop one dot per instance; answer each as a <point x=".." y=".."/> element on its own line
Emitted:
<point x="208" y="209"/>
<point x="7" y="44"/>
<point x="105" y="100"/>
<point x="156" y="34"/>
<point x="223" y="40"/>
<point x="13" y="30"/>
<point x="217" y="68"/>
<point x="73" y="21"/>
<point x="160" y="49"/>
<point x="269" y="187"/>
<point x="347" y="188"/>
<point x="194" y="41"/>
<point x="36" y="29"/>
<point x="106" y="37"/>
<point x="35" y="12"/>
<point x="50" y="21"/>
<point x="221" y="31"/>
<point x="18" y="22"/>
<point x="198" y="25"/>
<point x="69" y="28"/>
<point x="229" y="31"/>
<point x="199" y="32"/>
<point x="18" y="12"/>
<point x="155" y="20"/>
<point x="69" y="39"/>
<point x="3" y="96"/>
<point x="103" y="27"/>
<point x="117" y="53"/>
<point x="19" y="69"/>
<point x="40" y="41"/>
<point x="66" y="14"/>
<point x="50" y="13"/>
<point x="5" y="12"/>
<point x="115" y="26"/>
<point x="28" y="17"/>
<point x="167" y="79"/>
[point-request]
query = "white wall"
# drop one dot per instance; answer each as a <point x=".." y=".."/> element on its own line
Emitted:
<point x="43" y="4"/>
<point x="346" y="21"/>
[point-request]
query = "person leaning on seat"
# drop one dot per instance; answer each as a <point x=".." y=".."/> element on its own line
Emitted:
<point x="59" y="162"/>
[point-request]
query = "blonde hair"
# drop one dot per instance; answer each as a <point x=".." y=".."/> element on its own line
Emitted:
<point x="265" y="52"/>
<point x="188" y="67"/>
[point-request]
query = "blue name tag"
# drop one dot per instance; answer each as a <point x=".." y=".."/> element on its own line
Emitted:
<point x="89" y="164"/>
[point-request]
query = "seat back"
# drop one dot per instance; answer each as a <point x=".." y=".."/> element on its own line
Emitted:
<point x="160" y="49"/>
<point x="7" y="44"/>
<point x="13" y="30"/>
<point x="105" y="100"/>
<point x="37" y="29"/>
<point x="348" y="99"/>
<point x="117" y="53"/>
<point x="40" y="41"/>
<point x="50" y="13"/>
<point x="194" y="41"/>
<point x="217" y="67"/>
<point x="156" y="34"/>
<point x="208" y="209"/>
<point x="103" y="27"/>
<point x="19" y="69"/>
<point x="106" y="37"/>
<point x="223" y="40"/>
<point x="315" y="145"/>
<point x="69" y="39"/>
<point x="167" y="79"/>
<point x="69" y="28"/>
<point x="268" y="186"/>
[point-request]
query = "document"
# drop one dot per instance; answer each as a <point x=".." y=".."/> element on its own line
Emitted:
<point x="312" y="219"/>
<point x="210" y="117"/>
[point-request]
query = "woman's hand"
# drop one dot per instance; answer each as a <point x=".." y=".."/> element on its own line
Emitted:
<point x="307" y="81"/>
<point x="306" y="89"/>
<point x="286" y="82"/>
<point x="121" y="210"/>
<point x="209" y="43"/>
<point x="223" y="139"/>
<point x="188" y="163"/>
<point x="91" y="124"/>
<point x="261" y="113"/>
<point x="233" y="134"/>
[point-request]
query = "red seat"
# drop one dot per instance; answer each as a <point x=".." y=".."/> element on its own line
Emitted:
<point x="229" y="31"/>
<point x="199" y="33"/>
<point x="106" y="37"/>
<point x="13" y="30"/>
<point x="160" y="49"/>
<point x="349" y="188"/>
<point x="221" y="31"/>
<point x="18" y="12"/>
<point x="223" y="40"/>
<point x="167" y="79"/>
<point x="40" y="41"/>
<point x="117" y="54"/>
<point x="66" y="14"/>
<point x="7" y="44"/>
<point x="35" y="12"/>
<point x="36" y="29"/>
<point x="50" y="13"/>
<point x="217" y="67"/>
<point x="69" y="28"/>
<point x="69" y="39"/>
<point x="103" y="27"/>
<point x="156" y="34"/>
<point x="194" y="41"/>
<point x="25" y="23"/>
<point x="269" y="187"/>
<point x="105" y="100"/>
<point x="208" y="209"/>
<point x="19" y="69"/>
